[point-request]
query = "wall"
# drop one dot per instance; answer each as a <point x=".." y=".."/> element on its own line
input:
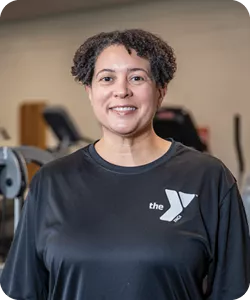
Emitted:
<point x="211" y="40"/>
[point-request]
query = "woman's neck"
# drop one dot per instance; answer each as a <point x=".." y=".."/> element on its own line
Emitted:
<point x="132" y="151"/>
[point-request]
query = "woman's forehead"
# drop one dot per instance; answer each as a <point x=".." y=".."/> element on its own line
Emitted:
<point x="117" y="57"/>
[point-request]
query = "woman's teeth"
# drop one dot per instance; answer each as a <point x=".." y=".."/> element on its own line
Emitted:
<point x="123" y="108"/>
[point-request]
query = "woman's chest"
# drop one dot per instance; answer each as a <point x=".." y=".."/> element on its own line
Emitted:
<point x="155" y="228"/>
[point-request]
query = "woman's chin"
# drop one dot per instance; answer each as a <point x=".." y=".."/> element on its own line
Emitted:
<point x="124" y="131"/>
<point x="130" y="130"/>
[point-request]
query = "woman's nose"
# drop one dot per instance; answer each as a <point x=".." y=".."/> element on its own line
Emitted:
<point x="122" y="91"/>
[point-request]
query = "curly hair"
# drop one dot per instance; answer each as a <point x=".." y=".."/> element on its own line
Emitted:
<point x="147" y="45"/>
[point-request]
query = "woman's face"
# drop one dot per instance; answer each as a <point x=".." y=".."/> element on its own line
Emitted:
<point x="123" y="94"/>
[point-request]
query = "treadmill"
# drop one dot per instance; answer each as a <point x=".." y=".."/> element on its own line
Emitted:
<point x="178" y="124"/>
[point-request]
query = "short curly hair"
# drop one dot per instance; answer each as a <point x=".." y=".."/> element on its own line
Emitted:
<point x="147" y="45"/>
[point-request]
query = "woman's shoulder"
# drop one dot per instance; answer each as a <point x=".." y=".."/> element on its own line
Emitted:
<point x="203" y="165"/>
<point x="199" y="159"/>
<point x="66" y="166"/>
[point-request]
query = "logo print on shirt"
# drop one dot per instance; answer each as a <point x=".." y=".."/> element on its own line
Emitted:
<point x="178" y="201"/>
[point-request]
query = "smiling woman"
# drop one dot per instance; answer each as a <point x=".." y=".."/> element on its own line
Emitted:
<point x="126" y="76"/>
<point x="131" y="216"/>
<point x="125" y="98"/>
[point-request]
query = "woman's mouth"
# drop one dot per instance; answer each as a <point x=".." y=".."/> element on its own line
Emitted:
<point x="123" y="110"/>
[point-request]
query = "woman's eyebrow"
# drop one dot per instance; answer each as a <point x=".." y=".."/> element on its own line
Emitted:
<point x="138" y="69"/>
<point x="129" y="70"/>
<point x="105" y="70"/>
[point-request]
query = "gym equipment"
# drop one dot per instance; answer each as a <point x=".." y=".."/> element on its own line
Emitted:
<point x="244" y="185"/>
<point x="4" y="134"/>
<point x="62" y="125"/>
<point x="13" y="171"/>
<point x="177" y="123"/>
<point x="238" y="148"/>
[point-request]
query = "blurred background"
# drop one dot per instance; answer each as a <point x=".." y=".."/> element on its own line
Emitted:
<point x="211" y="40"/>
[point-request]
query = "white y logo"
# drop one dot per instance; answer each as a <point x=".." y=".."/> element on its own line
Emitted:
<point x="245" y="3"/>
<point x="3" y="3"/>
<point x="177" y="201"/>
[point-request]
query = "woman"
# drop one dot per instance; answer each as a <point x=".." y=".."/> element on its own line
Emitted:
<point x="132" y="216"/>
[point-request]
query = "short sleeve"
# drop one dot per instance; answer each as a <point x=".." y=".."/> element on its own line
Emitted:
<point x="229" y="277"/>
<point x="24" y="276"/>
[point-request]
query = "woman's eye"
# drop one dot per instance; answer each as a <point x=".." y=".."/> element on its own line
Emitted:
<point x="137" y="78"/>
<point x="106" y="79"/>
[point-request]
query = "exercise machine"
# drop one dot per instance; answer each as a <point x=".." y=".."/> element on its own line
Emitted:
<point x="64" y="128"/>
<point x="177" y="123"/>
<point x="243" y="184"/>
<point x="237" y="126"/>
<point x="4" y="134"/>
<point x="14" y="175"/>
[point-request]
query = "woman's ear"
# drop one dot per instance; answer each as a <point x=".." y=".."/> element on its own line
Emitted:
<point x="162" y="94"/>
<point x="88" y="91"/>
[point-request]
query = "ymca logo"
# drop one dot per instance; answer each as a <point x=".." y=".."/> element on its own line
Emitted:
<point x="178" y="201"/>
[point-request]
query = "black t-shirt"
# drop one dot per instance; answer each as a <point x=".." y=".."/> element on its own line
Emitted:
<point x="91" y="230"/>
